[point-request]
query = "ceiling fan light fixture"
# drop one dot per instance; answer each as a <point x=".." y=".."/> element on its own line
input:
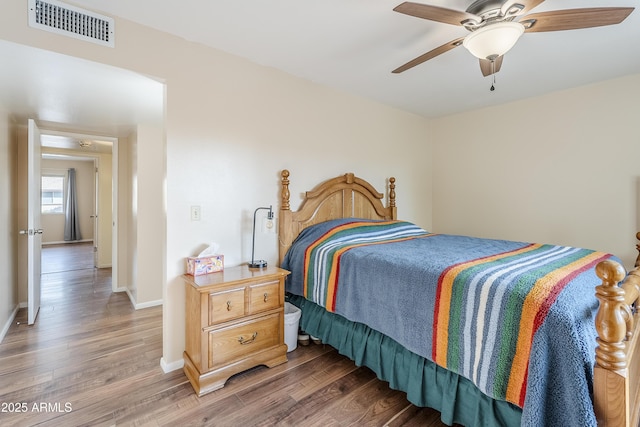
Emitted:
<point x="493" y="40"/>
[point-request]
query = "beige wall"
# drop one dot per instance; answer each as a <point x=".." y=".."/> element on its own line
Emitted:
<point x="8" y="225"/>
<point x="105" y="213"/>
<point x="230" y="127"/>
<point x="127" y="240"/>
<point x="557" y="169"/>
<point x="145" y="217"/>
<point x="250" y="123"/>
<point x="53" y="224"/>
<point x="151" y="195"/>
<point x="561" y="168"/>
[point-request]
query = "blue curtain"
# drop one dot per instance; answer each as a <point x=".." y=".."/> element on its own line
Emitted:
<point x="71" y="223"/>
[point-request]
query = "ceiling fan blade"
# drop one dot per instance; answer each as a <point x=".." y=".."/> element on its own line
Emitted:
<point x="487" y="69"/>
<point x="527" y="5"/>
<point x="574" y="19"/>
<point x="435" y="13"/>
<point x="429" y="55"/>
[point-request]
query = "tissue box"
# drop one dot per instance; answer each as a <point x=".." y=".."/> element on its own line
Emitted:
<point x="197" y="266"/>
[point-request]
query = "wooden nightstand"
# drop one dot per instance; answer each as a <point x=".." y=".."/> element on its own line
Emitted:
<point x="234" y="321"/>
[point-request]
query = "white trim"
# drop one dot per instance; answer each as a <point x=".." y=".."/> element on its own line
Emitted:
<point x="144" y="304"/>
<point x="115" y="180"/>
<point x="172" y="366"/>
<point x="148" y="304"/>
<point x="7" y="325"/>
<point x="65" y="242"/>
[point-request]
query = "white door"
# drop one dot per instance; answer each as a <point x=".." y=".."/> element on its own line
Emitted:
<point x="34" y="230"/>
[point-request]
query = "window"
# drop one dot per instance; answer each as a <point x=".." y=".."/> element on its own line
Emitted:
<point x="52" y="194"/>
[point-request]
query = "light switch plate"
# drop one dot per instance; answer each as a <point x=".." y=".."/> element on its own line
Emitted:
<point x="195" y="213"/>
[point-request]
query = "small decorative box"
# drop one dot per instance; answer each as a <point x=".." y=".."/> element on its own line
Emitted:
<point x="197" y="266"/>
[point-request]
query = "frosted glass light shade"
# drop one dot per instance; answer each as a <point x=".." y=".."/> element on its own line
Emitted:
<point x="493" y="40"/>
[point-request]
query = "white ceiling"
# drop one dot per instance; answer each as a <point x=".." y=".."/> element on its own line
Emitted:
<point x="82" y="96"/>
<point x="353" y="45"/>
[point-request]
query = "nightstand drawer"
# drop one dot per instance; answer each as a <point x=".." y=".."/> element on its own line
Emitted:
<point x="263" y="297"/>
<point x="226" y="305"/>
<point x="233" y="343"/>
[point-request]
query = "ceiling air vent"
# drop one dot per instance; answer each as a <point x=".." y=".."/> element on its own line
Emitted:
<point x="60" y="18"/>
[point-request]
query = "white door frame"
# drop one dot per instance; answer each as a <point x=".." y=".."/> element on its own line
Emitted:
<point x="96" y="209"/>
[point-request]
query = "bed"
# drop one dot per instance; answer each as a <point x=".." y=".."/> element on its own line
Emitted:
<point x="475" y="335"/>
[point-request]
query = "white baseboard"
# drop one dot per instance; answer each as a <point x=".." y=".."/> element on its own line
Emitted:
<point x="144" y="304"/>
<point x="172" y="366"/>
<point x="148" y="304"/>
<point x="24" y="304"/>
<point x="7" y="325"/>
<point x="64" y="242"/>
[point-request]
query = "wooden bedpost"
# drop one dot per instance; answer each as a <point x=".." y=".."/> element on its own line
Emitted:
<point x="284" y="219"/>
<point x="285" y="191"/>
<point x="616" y="383"/>
<point x="392" y="197"/>
<point x="614" y="317"/>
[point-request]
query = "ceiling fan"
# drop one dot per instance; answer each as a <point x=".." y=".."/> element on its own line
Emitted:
<point x="496" y="25"/>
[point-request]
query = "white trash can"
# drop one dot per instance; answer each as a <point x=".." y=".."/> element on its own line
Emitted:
<point x="291" y="319"/>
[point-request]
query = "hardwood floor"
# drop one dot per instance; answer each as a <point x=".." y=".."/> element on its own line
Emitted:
<point x="91" y="359"/>
<point x="66" y="257"/>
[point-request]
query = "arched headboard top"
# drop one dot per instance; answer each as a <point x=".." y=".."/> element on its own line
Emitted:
<point x="345" y="196"/>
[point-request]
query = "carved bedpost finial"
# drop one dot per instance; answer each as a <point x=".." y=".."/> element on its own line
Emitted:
<point x="392" y="192"/>
<point x="348" y="177"/>
<point x="285" y="191"/>
<point x="614" y="317"/>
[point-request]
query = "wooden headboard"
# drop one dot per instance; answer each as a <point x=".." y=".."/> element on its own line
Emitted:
<point x="345" y="196"/>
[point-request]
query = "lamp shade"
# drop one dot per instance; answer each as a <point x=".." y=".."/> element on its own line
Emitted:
<point x="493" y="40"/>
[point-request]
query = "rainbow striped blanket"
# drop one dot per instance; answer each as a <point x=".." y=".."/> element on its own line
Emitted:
<point x="515" y="318"/>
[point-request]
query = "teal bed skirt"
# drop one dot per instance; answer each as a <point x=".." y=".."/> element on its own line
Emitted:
<point x="426" y="384"/>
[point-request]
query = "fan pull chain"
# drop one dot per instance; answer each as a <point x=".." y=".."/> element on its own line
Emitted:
<point x="493" y="74"/>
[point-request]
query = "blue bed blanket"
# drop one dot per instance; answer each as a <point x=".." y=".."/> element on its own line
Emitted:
<point x="515" y="318"/>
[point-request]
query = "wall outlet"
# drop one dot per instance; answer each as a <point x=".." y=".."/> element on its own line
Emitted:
<point x="195" y="213"/>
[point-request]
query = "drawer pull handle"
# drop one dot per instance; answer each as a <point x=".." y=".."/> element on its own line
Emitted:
<point x="242" y="341"/>
<point x="265" y="297"/>
<point x="228" y="305"/>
